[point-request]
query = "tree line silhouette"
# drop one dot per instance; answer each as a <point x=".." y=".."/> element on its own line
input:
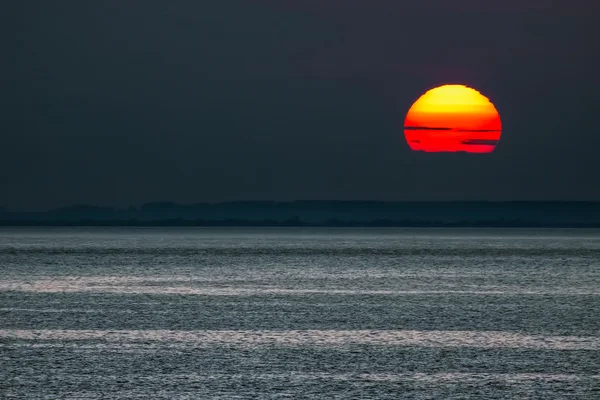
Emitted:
<point x="319" y="214"/>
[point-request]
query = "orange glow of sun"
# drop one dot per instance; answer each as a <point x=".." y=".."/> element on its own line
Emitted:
<point x="453" y="118"/>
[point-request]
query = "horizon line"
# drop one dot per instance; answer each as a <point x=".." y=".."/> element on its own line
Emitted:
<point x="5" y="209"/>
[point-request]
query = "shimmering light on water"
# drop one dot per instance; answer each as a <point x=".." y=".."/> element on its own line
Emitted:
<point x="299" y="313"/>
<point x="320" y="338"/>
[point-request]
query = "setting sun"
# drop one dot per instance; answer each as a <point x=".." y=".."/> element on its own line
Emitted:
<point x="453" y="118"/>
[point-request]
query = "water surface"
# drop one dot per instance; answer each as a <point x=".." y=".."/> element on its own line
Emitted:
<point x="126" y="313"/>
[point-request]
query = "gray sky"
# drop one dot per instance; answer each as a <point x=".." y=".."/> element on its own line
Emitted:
<point x="122" y="102"/>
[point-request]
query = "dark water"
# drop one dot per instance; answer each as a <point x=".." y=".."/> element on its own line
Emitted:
<point x="293" y="313"/>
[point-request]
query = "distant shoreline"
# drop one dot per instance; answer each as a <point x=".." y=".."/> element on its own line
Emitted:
<point x="321" y="213"/>
<point x="300" y="224"/>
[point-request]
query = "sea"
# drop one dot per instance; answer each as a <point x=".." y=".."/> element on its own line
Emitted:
<point x="299" y="313"/>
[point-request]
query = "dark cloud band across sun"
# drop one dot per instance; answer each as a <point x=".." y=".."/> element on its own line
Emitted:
<point x="453" y="118"/>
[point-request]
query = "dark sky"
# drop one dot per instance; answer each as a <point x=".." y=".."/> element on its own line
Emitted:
<point x="121" y="102"/>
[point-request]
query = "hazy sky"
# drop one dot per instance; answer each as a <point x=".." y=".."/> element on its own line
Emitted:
<point x="120" y="102"/>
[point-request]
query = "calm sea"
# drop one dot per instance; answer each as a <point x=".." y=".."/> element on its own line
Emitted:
<point x="299" y="313"/>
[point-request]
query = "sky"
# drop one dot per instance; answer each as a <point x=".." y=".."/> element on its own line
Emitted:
<point x="122" y="102"/>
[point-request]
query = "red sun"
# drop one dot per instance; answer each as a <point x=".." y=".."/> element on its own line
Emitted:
<point x="453" y="118"/>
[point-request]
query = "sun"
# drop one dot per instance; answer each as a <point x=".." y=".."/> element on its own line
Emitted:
<point x="453" y="118"/>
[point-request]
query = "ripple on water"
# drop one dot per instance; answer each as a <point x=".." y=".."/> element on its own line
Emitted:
<point x="318" y="338"/>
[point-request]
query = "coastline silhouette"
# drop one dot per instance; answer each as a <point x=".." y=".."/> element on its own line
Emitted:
<point x="319" y="214"/>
